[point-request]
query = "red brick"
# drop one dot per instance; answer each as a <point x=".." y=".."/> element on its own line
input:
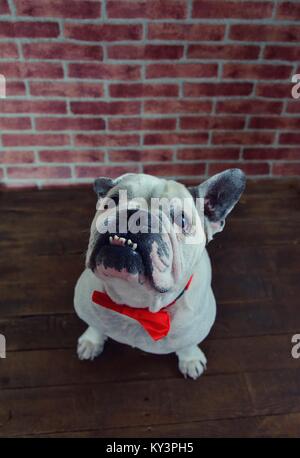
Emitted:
<point x="258" y="168"/>
<point x="143" y="90"/>
<point x="289" y="138"/>
<point x="217" y="51"/>
<point x="106" y="108"/>
<point x="9" y="50"/>
<point x="104" y="170"/>
<point x="154" y="9"/>
<point x="31" y="70"/>
<point x="71" y="156"/>
<point x="242" y="138"/>
<point x="38" y="172"/>
<point x="15" y="88"/>
<point x="293" y="107"/>
<point x="107" y="140"/>
<point x="104" y="32"/>
<point x="231" y="9"/>
<point x="288" y="10"/>
<point x="282" y="52"/>
<point x="4" y="8"/>
<point x="150" y="155"/>
<point x="11" y="29"/>
<point x="16" y="157"/>
<point x="263" y="32"/>
<point x="63" y="51"/>
<point x="171" y="169"/>
<point x="177" y="106"/>
<point x="141" y="124"/>
<point x="35" y="140"/>
<point x="66" y="89"/>
<point x="250" y="106"/>
<point x="286" y="169"/>
<point x="217" y="89"/>
<point x="274" y="90"/>
<point x="176" y="138"/>
<point x="194" y="154"/>
<point x="271" y="153"/>
<point x="186" y="31"/>
<point x="70" y="123"/>
<point x="257" y="71"/>
<point x="212" y="122"/>
<point x="275" y="123"/>
<point x="59" y="8"/>
<point x="15" y="123"/>
<point x="181" y="70"/>
<point x="132" y="52"/>
<point x="105" y="71"/>
<point x="28" y="106"/>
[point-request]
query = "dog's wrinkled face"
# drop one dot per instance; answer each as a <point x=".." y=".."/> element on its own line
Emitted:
<point x="148" y="233"/>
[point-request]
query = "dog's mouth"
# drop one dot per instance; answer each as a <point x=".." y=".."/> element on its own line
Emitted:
<point x="134" y="258"/>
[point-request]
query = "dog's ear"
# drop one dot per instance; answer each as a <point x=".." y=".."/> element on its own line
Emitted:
<point x="102" y="185"/>
<point x="220" y="193"/>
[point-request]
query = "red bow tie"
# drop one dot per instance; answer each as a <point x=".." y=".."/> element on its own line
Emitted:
<point x="156" y="324"/>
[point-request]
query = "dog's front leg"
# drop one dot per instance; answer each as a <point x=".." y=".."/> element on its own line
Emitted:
<point x="192" y="361"/>
<point x="90" y="344"/>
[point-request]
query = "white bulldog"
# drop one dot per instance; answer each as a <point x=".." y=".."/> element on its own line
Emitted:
<point x="148" y="284"/>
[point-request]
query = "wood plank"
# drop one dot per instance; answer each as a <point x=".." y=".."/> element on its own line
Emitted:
<point x="53" y="198"/>
<point x="238" y="319"/>
<point x="47" y="269"/>
<point x="76" y="241"/>
<point x="252" y="385"/>
<point x="231" y="259"/>
<point x="258" y="232"/>
<point x="46" y="410"/>
<point x="227" y="261"/>
<point x="249" y="427"/>
<point x="42" y="331"/>
<point x="39" y="411"/>
<point x="26" y="298"/>
<point x="39" y="368"/>
<point x="64" y="242"/>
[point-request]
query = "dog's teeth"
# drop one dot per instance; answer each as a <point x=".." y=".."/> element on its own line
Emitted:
<point x="116" y="237"/>
<point x="122" y="240"/>
<point x="134" y="246"/>
<point x="129" y="242"/>
<point x="110" y="239"/>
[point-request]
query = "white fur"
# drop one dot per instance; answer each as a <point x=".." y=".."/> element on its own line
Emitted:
<point x="192" y="317"/>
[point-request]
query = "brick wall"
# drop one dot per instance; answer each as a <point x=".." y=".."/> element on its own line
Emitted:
<point x="171" y="87"/>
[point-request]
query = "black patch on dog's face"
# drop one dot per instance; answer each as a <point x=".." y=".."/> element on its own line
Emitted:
<point x="124" y="257"/>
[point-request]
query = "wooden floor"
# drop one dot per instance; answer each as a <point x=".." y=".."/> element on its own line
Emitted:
<point x="252" y="385"/>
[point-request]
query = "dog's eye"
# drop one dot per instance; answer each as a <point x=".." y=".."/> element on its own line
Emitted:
<point x="182" y="222"/>
<point x="115" y="198"/>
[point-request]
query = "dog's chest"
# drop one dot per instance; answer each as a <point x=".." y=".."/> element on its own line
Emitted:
<point x="187" y="325"/>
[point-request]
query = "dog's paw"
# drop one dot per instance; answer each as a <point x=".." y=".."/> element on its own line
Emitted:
<point x="90" y="344"/>
<point x="88" y="350"/>
<point x="194" y="366"/>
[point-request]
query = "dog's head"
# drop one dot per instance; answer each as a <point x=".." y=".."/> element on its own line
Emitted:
<point x="149" y="233"/>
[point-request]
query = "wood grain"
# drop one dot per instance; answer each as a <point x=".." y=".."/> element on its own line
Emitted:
<point x="252" y="385"/>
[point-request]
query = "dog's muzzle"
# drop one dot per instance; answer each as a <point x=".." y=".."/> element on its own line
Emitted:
<point x="142" y="250"/>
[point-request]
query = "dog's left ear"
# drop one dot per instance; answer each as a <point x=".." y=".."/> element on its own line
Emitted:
<point x="220" y="193"/>
<point x="102" y="185"/>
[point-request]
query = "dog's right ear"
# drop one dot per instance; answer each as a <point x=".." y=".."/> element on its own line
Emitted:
<point x="102" y="185"/>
